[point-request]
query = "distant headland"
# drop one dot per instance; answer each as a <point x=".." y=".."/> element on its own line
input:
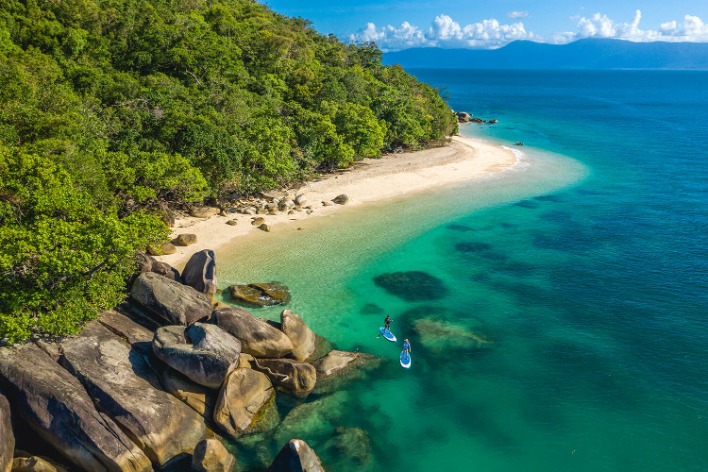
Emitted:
<point x="586" y="54"/>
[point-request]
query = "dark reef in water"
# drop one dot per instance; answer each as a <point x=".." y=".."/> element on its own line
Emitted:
<point x="548" y="198"/>
<point x="412" y="286"/>
<point x="527" y="204"/>
<point x="371" y="309"/>
<point x="458" y="227"/>
<point x="469" y="246"/>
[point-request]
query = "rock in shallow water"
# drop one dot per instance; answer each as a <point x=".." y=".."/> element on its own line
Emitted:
<point x="211" y="456"/>
<point x="260" y="294"/>
<point x="413" y="285"/>
<point x="242" y="403"/>
<point x="296" y="455"/>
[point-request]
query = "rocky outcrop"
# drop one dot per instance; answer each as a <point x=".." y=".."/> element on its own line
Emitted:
<point x="185" y="239"/>
<point x="296" y="455"/>
<point x="257" y="337"/>
<point x="203" y="211"/>
<point x="296" y="377"/>
<point x="260" y="294"/>
<point x="204" y="353"/>
<point x="341" y="199"/>
<point x="198" y="397"/>
<point x="120" y="382"/>
<point x="200" y="272"/>
<point x="242" y="399"/>
<point x="211" y="456"/>
<point x="299" y="333"/>
<point x="172" y="301"/>
<point x="56" y="407"/>
<point x="7" y="438"/>
<point x="463" y="117"/>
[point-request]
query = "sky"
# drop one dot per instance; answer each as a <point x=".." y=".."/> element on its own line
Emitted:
<point x="490" y="24"/>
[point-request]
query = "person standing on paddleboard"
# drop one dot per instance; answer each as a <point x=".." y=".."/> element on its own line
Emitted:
<point x="407" y="347"/>
<point x="387" y="323"/>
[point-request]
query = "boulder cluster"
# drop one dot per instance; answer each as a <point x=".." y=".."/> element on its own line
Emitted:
<point x="159" y="380"/>
<point x="464" y="117"/>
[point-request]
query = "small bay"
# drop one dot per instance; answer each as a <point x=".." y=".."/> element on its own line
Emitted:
<point x="571" y="332"/>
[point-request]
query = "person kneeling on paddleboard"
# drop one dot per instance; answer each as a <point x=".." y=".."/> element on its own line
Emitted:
<point x="407" y="347"/>
<point x="387" y="323"/>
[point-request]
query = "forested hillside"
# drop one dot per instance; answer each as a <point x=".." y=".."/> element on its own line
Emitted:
<point x="112" y="110"/>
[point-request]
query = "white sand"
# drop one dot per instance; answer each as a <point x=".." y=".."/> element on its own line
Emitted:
<point x="372" y="180"/>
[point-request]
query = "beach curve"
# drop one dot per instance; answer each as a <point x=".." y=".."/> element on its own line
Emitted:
<point x="370" y="181"/>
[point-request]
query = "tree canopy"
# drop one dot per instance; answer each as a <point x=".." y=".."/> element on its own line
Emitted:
<point x="110" y="109"/>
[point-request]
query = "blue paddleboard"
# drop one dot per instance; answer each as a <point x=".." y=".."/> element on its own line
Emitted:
<point x="388" y="335"/>
<point x="405" y="360"/>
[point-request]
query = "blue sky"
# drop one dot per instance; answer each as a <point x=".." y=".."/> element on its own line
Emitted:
<point x="489" y="24"/>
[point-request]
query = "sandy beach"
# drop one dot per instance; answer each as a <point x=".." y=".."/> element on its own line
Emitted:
<point x="371" y="180"/>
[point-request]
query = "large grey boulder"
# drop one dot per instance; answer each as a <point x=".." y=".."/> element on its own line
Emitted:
<point x="204" y="353"/>
<point x="120" y="381"/>
<point x="172" y="301"/>
<point x="257" y="337"/>
<point x="299" y="333"/>
<point x="57" y="408"/>
<point x="296" y="377"/>
<point x="242" y="401"/>
<point x="7" y="438"/>
<point x="198" y="397"/>
<point x="211" y="456"/>
<point x="296" y="456"/>
<point x="200" y="272"/>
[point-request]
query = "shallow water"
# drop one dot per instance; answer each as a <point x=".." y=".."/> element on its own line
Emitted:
<point x="571" y="328"/>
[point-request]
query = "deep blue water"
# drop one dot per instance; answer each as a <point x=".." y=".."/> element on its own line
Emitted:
<point x="574" y="316"/>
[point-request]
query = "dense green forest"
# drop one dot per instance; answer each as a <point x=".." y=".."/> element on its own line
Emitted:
<point x="113" y="110"/>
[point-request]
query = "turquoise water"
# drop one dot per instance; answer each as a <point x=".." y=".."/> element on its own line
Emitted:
<point x="574" y="299"/>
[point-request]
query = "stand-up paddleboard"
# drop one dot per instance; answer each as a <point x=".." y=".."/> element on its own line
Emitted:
<point x="387" y="334"/>
<point x="405" y="360"/>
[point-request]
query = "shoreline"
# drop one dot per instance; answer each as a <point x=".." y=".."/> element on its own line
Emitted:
<point x="370" y="181"/>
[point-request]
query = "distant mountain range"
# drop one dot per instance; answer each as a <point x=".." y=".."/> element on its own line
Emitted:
<point x="582" y="54"/>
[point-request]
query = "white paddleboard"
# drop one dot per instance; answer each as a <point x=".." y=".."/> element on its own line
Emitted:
<point x="406" y="360"/>
<point x="387" y="334"/>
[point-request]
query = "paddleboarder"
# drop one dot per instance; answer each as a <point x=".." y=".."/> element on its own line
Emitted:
<point x="407" y="347"/>
<point x="387" y="326"/>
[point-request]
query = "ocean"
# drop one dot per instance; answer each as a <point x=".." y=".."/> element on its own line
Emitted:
<point x="558" y="312"/>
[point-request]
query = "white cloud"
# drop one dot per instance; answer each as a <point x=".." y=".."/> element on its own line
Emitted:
<point x="490" y="34"/>
<point x="444" y="32"/>
<point x="692" y="29"/>
<point x="517" y="14"/>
